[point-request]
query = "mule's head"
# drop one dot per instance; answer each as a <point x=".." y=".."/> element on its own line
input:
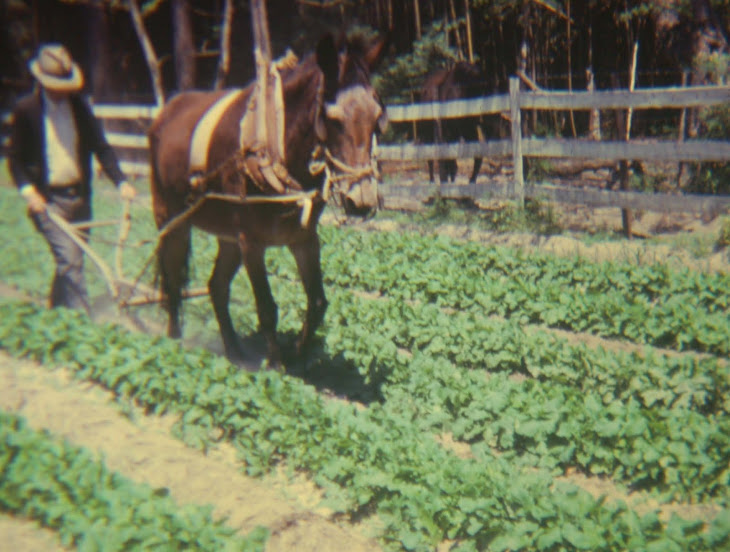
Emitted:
<point x="351" y="116"/>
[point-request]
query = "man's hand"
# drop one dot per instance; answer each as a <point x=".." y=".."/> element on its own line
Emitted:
<point x="127" y="191"/>
<point x="36" y="202"/>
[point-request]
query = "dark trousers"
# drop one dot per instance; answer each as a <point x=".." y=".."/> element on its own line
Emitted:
<point x="69" y="286"/>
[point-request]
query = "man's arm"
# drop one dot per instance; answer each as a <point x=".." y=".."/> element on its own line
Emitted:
<point x="105" y="153"/>
<point x="20" y="144"/>
<point x="19" y="141"/>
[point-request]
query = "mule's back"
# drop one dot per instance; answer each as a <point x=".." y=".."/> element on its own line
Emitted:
<point x="170" y="135"/>
<point x="432" y="84"/>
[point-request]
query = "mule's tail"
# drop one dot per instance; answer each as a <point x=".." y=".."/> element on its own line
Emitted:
<point x="174" y="248"/>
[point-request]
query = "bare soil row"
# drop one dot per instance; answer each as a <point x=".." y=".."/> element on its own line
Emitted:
<point x="141" y="448"/>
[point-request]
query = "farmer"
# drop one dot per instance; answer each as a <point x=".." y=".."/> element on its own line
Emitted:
<point x="54" y="133"/>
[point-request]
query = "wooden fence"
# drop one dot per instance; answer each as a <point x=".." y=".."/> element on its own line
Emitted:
<point x="519" y="147"/>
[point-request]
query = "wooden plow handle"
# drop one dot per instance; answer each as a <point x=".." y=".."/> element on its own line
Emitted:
<point x="125" y="225"/>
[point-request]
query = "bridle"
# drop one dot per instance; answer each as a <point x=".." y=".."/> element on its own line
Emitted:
<point x="339" y="176"/>
<point x="337" y="172"/>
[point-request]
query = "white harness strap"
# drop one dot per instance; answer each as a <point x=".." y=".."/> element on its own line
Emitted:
<point x="200" y="142"/>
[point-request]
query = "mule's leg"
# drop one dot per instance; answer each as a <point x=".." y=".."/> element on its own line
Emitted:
<point x="475" y="170"/>
<point x="430" y="171"/>
<point x="451" y="169"/>
<point x="253" y="260"/>
<point x="443" y="170"/>
<point x="227" y="264"/>
<point x="173" y="263"/>
<point x="310" y="271"/>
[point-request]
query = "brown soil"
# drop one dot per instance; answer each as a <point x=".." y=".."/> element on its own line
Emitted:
<point x="570" y="244"/>
<point x="678" y="239"/>
<point x="22" y="535"/>
<point x="141" y="448"/>
<point x="641" y="502"/>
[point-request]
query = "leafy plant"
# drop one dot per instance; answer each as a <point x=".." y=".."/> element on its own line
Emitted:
<point x="406" y="72"/>
<point x="369" y="460"/>
<point x="66" y="489"/>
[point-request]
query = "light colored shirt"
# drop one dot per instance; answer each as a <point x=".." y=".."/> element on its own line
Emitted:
<point x="62" y="142"/>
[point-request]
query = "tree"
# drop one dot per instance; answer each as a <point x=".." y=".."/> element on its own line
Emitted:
<point x="149" y="52"/>
<point x="224" y="60"/>
<point x="184" y="46"/>
<point x="104" y="79"/>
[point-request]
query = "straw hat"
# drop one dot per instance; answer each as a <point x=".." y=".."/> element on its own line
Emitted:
<point x="55" y="69"/>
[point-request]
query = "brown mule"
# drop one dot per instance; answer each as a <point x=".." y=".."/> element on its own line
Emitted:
<point x="462" y="80"/>
<point x="331" y="115"/>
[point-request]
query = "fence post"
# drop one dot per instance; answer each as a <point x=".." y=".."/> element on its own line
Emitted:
<point x="518" y="184"/>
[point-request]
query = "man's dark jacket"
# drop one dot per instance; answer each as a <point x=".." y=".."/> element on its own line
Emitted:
<point x="27" y="154"/>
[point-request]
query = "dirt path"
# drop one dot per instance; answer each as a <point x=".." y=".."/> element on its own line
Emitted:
<point x="21" y="535"/>
<point x="141" y="448"/>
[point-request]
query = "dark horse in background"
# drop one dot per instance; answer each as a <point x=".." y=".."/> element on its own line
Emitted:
<point x="460" y="81"/>
<point x="329" y="104"/>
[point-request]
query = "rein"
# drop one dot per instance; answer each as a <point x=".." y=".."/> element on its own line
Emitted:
<point x="322" y="160"/>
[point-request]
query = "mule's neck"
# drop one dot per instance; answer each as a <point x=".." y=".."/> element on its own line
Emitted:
<point x="303" y="104"/>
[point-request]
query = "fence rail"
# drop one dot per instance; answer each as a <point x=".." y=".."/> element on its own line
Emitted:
<point x="695" y="150"/>
<point x="644" y="201"/>
<point x="653" y="98"/>
<point x="518" y="147"/>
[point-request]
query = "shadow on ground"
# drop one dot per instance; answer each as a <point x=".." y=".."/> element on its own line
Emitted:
<point x="333" y="376"/>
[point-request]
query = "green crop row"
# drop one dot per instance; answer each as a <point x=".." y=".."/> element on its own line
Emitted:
<point x="651" y="421"/>
<point x="371" y="460"/>
<point x="367" y="333"/>
<point x="655" y="305"/>
<point x="655" y="422"/>
<point x="93" y="509"/>
<point x="678" y="309"/>
<point x="472" y="341"/>
<point x="662" y="421"/>
<point x="593" y="409"/>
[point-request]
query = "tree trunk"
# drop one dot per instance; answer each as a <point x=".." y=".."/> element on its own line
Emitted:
<point x="682" y="129"/>
<point x="104" y="85"/>
<point x="594" y="121"/>
<point x="469" y="42"/>
<point x="224" y="62"/>
<point x="707" y="37"/>
<point x="624" y="126"/>
<point x="457" y="35"/>
<point x="570" y="67"/>
<point x="184" y="48"/>
<point x="417" y="18"/>
<point x="149" y="52"/>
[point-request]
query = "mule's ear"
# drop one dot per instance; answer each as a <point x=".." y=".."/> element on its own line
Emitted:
<point x="320" y="129"/>
<point x="376" y="52"/>
<point x="328" y="61"/>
